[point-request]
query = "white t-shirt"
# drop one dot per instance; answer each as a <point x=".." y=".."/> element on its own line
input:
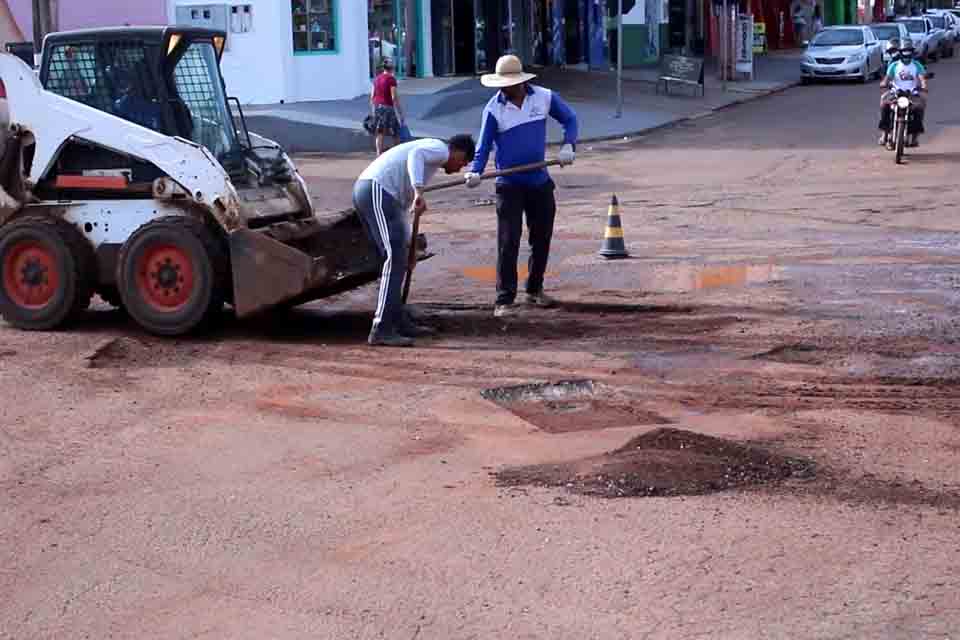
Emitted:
<point x="406" y="166"/>
<point x="905" y="77"/>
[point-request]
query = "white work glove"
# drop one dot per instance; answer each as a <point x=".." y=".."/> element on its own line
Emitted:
<point x="472" y="179"/>
<point x="566" y="155"/>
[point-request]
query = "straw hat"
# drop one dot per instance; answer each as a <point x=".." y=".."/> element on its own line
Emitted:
<point x="508" y="73"/>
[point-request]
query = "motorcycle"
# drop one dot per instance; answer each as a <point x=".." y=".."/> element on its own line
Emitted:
<point x="902" y="103"/>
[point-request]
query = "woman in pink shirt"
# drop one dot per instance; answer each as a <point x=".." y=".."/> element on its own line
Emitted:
<point x="385" y="105"/>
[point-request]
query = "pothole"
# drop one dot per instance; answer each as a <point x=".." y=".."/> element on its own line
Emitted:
<point x="793" y="354"/>
<point x="571" y="405"/>
<point x="663" y="462"/>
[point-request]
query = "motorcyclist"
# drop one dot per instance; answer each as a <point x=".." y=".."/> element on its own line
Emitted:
<point x="893" y="52"/>
<point x="905" y="74"/>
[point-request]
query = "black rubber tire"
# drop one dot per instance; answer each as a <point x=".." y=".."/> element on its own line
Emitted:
<point x="900" y="139"/>
<point x="74" y="259"/>
<point x="209" y="263"/>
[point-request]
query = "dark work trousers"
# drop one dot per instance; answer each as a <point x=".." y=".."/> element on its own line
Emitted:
<point x="540" y="206"/>
<point x="386" y="226"/>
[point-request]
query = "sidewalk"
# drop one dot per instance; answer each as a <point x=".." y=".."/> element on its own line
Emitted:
<point x="441" y="107"/>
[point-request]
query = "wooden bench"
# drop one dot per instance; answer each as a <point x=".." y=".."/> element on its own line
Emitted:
<point x="683" y="70"/>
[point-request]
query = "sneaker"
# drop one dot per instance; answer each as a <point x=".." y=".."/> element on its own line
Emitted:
<point x="541" y="300"/>
<point x="914" y="141"/>
<point x="502" y="310"/>
<point x="884" y="140"/>
<point x="407" y="327"/>
<point x="890" y="145"/>
<point x="389" y="340"/>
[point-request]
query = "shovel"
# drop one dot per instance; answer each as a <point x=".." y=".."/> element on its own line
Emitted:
<point x="412" y="257"/>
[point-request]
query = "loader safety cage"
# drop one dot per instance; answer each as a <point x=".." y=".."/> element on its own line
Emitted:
<point x="166" y="79"/>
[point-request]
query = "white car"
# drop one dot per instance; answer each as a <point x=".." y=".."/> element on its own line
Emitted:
<point x="887" y="31"/>
<point x="843" y="53"/>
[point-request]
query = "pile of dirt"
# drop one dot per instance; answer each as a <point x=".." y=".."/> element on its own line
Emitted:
<point x="132" y="353"/>
<point x="663" y="462"/>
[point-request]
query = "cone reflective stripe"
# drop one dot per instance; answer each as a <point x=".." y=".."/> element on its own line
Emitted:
<point x="613" y="246"/>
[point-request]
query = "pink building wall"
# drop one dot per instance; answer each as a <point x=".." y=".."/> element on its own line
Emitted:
<point x="82" y="14"/>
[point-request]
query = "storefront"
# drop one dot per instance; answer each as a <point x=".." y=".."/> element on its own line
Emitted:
<point x="399" y="30"/>
<point x="287" y="50"/>
<point x="468" y="36"/>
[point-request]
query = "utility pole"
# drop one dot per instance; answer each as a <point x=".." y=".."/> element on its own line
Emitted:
<point x="44" y="20"/>
<point x="619" y="58"/>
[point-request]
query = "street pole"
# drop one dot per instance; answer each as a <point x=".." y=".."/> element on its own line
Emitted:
<point x="724" y="44"/>
<point x="619" y="58"/>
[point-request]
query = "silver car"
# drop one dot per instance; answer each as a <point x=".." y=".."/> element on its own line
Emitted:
<point x="843" y="53"/>
<point x="926" y="38"/>
<point x="887" y="31"/>
<point x="943" y="19"/>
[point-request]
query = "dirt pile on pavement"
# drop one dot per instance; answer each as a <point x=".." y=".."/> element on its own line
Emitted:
<point x="663" y="462"/>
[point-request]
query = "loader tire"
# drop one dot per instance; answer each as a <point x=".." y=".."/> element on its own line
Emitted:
<point x="47" y="270"/>
<point x="173" y="274"/>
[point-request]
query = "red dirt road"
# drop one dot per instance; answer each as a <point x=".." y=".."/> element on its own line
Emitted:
<point x="280" y="479"/>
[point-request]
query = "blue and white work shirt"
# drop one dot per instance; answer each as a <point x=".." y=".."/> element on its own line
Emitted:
<point x="521" y="133"/>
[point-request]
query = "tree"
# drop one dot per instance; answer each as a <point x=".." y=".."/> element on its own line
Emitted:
<point x="45" y="20"/>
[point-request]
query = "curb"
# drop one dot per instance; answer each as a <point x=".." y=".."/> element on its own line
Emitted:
<point x="692" y="118"/>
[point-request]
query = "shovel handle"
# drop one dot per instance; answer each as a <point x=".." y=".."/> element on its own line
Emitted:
<point x="494" y="174"/>
<point x="411" y="257"/>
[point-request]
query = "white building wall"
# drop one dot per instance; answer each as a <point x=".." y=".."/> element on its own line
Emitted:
<point x="260" y="67"/>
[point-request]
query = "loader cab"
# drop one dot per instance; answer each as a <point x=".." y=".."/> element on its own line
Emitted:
<point x="163" y="78"/>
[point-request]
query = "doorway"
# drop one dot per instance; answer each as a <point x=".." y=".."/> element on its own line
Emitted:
<point x="454" y="37"/>
<point x="573" y="31"/>
<point x="464" y="37"/>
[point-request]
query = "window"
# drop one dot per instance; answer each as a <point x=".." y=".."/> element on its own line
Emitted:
<point x="198" y="84"/>
<point x="314" y="26"/>
<point x="838" y="38"/>
<point x="114" y="77"/>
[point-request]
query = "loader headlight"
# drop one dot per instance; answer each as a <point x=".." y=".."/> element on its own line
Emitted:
<point x="903" y="102"/>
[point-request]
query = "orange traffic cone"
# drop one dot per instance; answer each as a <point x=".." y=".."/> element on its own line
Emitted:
<point x="613" y="246"/>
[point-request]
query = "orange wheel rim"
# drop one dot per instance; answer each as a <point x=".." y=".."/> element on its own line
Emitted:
<point x="165" y="277"/>
<point x="30" y="274"/>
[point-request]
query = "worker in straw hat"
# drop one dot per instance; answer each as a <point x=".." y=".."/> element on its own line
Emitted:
<point x="515" y="120"/>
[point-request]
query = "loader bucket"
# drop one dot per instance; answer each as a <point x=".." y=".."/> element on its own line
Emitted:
<point x="267" y="272"/>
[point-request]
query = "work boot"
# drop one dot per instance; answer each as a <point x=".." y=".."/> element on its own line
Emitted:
<point x="389" y="340"/>
<point x="503" y="310"/>
<point x="541" y="300"/>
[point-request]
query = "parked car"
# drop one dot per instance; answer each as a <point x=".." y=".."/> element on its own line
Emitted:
<point x="843" y="53"/>
<point x="926" y="39"/>
<point x="887" y="31"/>
<point x="943" y="19"/>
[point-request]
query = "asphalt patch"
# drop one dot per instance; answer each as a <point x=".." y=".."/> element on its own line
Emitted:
<point x="663" y="462"/>
<point x="571" y="405"/>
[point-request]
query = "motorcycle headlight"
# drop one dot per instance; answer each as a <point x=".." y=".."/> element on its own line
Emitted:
<point x="903" y="102"/>
<point x="857" y="57"/>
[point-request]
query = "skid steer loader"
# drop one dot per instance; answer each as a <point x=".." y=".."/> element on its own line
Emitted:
<point x="127" y="172"/>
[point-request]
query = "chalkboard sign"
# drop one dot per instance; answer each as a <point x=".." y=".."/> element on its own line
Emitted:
<point x="682" y="69"/>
